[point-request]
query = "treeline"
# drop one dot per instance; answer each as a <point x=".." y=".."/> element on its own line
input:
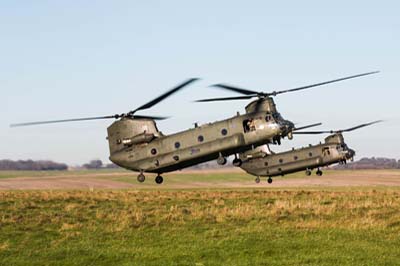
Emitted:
<point x="371" y="163"/>
<point x="98" y="164"/>
<point x="30" y="165"/>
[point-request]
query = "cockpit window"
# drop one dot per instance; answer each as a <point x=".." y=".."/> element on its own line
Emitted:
<point x="268" y="118"/>
<point x="339" y="147"/>
<point x="249" y="125"/>
<point x="276" y="116"/>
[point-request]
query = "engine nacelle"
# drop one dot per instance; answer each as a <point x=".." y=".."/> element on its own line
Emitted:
<point x="141" y="138"/>
<point x="258" y="152"/>
<point x="130" y="131"/>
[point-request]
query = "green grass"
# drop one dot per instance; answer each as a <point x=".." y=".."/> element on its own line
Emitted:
<point x="202" y="227"/>
<point x="13" y="174"/>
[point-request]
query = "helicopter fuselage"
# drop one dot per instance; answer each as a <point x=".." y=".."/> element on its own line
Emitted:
<point x="197" y="145"/>
<point x="333" y="150"/>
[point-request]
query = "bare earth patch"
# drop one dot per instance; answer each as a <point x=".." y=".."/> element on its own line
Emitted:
<point x="78" y="182"/>
<point x="93" y="180"/>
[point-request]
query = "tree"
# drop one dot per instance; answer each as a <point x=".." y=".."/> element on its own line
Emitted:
<point x="93" y="164"/>
<point x="30" y="165"/>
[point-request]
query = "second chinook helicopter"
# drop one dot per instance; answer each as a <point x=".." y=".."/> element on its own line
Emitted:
<point x="333" y="150"/>
<point x="135" y="143"/>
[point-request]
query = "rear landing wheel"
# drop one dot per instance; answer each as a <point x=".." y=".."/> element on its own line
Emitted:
<point x="319" y="172"/>
<point x="269" y="180"/>
<point x="237" y="162"/>
<point x="257" y="179"/>
<point x="221" y="160"/>
<point x="308" y="172"/>
<point x="141" y="178"/>
<point x="159" y="179"/>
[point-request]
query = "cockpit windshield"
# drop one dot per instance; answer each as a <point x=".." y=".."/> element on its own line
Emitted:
<point x="270" y="117"/>
<point x="342" y="147"/>
<point x="277" y="116"/>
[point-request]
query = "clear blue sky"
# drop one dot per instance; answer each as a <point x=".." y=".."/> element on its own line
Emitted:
<point x="66" y="59"/>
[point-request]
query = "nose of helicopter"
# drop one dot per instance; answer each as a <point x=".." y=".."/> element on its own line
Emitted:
<point x="350" y="153"/>
<point x="286" y="127"/>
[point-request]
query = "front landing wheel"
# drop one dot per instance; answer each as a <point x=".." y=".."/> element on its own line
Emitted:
<point x="141" y="178"/>
<point x="257" y="180"/>
<point x="269" y="180"/>
<point x="159" y="179"/>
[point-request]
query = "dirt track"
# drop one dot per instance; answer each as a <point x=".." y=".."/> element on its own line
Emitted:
<point x="106" y="181"/>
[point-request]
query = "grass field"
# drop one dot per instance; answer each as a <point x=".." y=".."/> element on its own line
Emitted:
<point x="244" y="226"/>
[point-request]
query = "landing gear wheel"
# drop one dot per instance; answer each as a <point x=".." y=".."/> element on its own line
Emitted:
<point x="221" y="160"/>
<point x="319" y="172"/>
<point x="141" y="178"/>
<point x="308" y="172"/>
<point x="257" y="179"/>
<point x="269" y="180"/>
<point x="237" y="162"/>
<point x="159" y="179"/>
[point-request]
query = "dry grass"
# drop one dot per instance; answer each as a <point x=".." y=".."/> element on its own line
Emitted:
<point x="249" y="227"/>
<point x="123" y="209"/>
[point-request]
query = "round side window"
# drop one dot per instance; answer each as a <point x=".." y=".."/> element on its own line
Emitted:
<point x="310" y="154"/>
<point x="177" y="145"/>
<point x="281" y="160"/>
<point x="153" y="151"/>
<point x="224" y="132"/>
<point x="200" y="138"/>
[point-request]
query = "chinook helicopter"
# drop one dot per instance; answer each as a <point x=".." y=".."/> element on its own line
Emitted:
<point x="334" y="150"/>
<point x="135" y="143"/>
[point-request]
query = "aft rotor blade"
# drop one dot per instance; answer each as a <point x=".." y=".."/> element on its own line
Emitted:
<point x="235" y="89"/>
<point x="308" y="126"/>
<point x="227" y="98"/>
<point x="360" y="126"/>
<point x="164" y="96"/>
<point x="322" y="83"/>
<point x="64" y="120"/>
<point x="150" y="117"/>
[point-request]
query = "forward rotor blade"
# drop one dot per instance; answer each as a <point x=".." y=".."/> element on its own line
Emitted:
<point x="64" y="120"/>
<point x="235" y="89"/>
<point x="322" y="83"/>
<point x="227" y="98"/>
<point x="308" y="126"/>
<point x="336" y="131"/>
<point x="164" y="96"/>
<point x="311" y="132"/>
